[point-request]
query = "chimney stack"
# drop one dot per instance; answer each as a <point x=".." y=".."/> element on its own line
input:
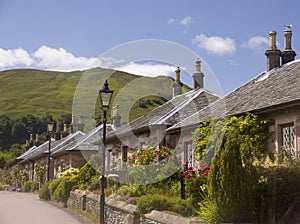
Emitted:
<point x="287" y="54"/>
<point x="177" y="85"/>
<point x="116" y="118"/>
<point x="273" y="54"/>
<point x="31" y="142"/>
<point x="73" y="125"/>
<point x="65" y="131"/>
<point x="80" y="124"/>
<point x="198" y="76"/>
<point x="57" y="133"/>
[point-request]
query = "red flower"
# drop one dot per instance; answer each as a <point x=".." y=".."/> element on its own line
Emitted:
<point x="183" y="164"/>
<point x="187" y="176"/>
<point x="207" y="168"/>
<point x="205" y="174"/>
<point x="190" y="168"/>
<point x="185" y="173"/>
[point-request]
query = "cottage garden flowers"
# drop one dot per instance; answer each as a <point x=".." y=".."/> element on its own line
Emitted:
<point x="203" y="170"/>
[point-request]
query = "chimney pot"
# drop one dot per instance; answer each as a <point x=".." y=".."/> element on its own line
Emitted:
<point x="198" y="75"/>
<point x="116" y="118"/>
<point x="287" y="54"/>
<point x="272" y="36"/>
<point x="273" y="54"/>
<point x="177" y="85"/>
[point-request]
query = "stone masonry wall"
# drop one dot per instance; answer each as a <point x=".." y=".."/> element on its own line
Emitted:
<point x="118" y="212"/>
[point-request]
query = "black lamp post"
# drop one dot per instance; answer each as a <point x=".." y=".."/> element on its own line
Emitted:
<point x="105" y="95"/>
<point x="49" y="129"/>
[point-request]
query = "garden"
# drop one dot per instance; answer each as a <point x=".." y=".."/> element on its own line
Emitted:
<point x="235" y="180"/>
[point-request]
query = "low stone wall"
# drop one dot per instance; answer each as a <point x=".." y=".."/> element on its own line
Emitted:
<point x="118" y="212"/>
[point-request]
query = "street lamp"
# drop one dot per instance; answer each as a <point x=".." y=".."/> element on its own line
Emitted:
<point x="105" y="95"/>
<point x="49" y="129"/>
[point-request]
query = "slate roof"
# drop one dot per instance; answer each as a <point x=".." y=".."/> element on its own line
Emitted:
<point x="170" y="113"/>
<point x="269" y="89"/>
<point x="23" y="156"/>
<point x="38" y="151"/>
<point x="84" y="142"/>
<point x="67" y="143"/>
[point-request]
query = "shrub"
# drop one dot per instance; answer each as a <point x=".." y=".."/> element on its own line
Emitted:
<point x="44" y="192"/>
<point x="148" y="203"/>
<point x="131" y="190"/>
<point x="208" y="211"/>
<point x="279" y="189"/>
<point x="27" y="186"/>
<point x="30" y="186"/>
<point x="34" y="186"/>
<point x="53" y="185"/>
<point x="62" y="192"/>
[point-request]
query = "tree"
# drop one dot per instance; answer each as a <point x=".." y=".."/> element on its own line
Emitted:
<point x="233" y="179"/>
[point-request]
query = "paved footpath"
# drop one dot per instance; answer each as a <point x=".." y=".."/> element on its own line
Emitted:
<point x="27" y="208"/>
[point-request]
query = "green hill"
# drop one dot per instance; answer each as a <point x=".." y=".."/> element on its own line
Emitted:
<point x="37" y="92"/>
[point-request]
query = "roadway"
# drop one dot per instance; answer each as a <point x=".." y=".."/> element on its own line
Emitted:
<point x="27" y="208"/>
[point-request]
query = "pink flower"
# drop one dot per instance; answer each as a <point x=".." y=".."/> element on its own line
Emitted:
<point x="187" y="176"/>
<point x="205" y="174"/>
<point x="207" y="168"/>
<point x="190" y="168"/>
<point x="185" y="173"/>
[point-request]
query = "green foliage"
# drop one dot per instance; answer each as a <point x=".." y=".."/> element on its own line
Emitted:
<point x="53" y="185"/>
<point x="132" y="190"/>
<point x="62" y="192"/>
<point x="30" y="186"/>
<point x="233" y="179"/>
<point x="278" y="191"/>
<point x="195" y="187"/>
<point x="34" y="186"/>
<point x="208" y="139"/>
<point x="44" y="192"/>
<point x="40" y="170"/>
<point x="160" y="202"/>
<point x="208" y="211"/>
<point x="86" y="174"/>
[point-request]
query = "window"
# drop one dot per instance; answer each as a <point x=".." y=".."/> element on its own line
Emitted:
<point x="188" y="154"/>
<point x="288" y="133"/>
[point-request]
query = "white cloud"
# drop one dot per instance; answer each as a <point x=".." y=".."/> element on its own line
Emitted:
<point x="45" y="58"/>
<point x="257" y="43"/>
<point x="215" y="44"/>
<point x="172" y="20"/>
<point x="186" y="21"/>
<point x="150" y="70"/>
<point x="60" y="59"/>
<point x="15" y="57"/>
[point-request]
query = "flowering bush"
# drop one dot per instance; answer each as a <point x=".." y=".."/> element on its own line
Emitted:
<point x="202" y="171"/>
<point x="196" y="182"/>
<point x="151" y="155"/>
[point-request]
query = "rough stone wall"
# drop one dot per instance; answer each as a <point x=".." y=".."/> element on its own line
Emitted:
<point x="118" y="212"/>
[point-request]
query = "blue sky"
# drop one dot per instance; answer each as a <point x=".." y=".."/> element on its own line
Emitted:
<point x="230" y="36"/>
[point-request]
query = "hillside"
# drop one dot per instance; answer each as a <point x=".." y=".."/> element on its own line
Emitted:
<point x="37" y="92"/>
